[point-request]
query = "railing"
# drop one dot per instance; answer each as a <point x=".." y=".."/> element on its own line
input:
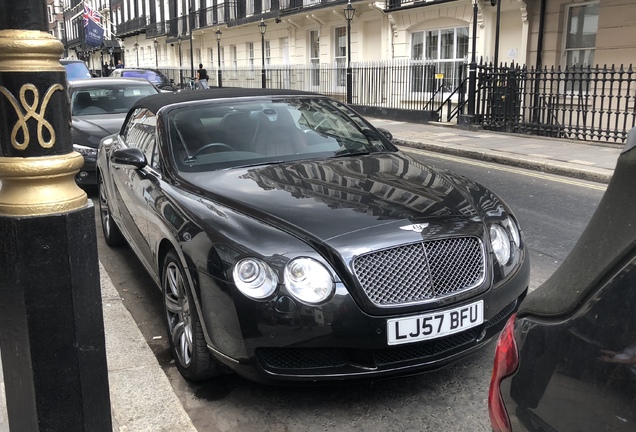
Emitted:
<point x="597" y="104"/>
<point x="135" y="25"/>
<point x="390" y="5"/>
<point x="583" y="103"/>
<point x="456" y="100"/>
<point x="156" y="29"/>
<point x="406" y="84"/>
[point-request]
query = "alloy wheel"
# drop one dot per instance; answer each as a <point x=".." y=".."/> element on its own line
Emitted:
<point x="178" y="314"/>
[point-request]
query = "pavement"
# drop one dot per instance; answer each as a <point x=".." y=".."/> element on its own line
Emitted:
<point x="142" y="398"/>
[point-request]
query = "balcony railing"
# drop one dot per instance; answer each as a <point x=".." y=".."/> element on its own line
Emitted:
<point x="399" y="4"/>
<point x="132" y="27"/>
<point x="154" y="30"/>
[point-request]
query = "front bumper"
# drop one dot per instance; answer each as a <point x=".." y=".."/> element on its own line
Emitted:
<point x="273" y="342"/>
<point x="87" y="175"/>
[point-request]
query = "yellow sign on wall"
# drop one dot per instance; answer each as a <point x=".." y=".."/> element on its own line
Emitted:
<point x="439" y="76"/>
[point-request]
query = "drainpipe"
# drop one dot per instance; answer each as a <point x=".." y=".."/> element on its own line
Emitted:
<point x="539" y="61"/>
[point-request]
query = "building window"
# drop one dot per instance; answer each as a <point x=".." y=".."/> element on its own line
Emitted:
<point x="340" y="55"/>
<point x="314" y="56"/>
<point x="580" y="36"/>
<point x="284" y="50"/>
<point x="268" y="53"/>
<point x="234" y="57"/>
<point x="250" y="54"/>
<point x="267" y="5"/>
<point x="249" y="8"/>
<point x="437" y="52"/>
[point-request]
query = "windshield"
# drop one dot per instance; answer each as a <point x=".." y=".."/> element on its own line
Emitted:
<point x="221" y="134"/>
<point x="76" y="70"/>
<point x="152" y="76"/>
<point x="104" y="100"/>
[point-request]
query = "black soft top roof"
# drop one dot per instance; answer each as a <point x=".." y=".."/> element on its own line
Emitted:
<point x="155" y="102"/>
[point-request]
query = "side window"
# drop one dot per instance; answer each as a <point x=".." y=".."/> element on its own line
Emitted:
<point x="140" y="132"/>
<point x="127" y="131"/>
<point x="154" y="162"/>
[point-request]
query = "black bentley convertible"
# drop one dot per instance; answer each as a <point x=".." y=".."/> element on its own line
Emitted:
<point x="293" y="241"/>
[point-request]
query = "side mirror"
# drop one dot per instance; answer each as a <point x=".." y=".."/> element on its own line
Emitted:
<point x="386" y="133"/>
<point x="129" y="156"/>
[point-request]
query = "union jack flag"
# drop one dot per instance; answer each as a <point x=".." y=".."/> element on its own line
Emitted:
<point x="91" y="14"/>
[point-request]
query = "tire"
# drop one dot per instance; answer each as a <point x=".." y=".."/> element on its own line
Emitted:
<point x="187" y="342"/>
<point x="112" y="234"/>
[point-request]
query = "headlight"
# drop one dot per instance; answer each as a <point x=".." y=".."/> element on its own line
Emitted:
<point x="85" y="151"/>
<point x="308" y="280"/>
<point x="500" y="243"/>
<point x="107" y="141"/>
<point x="255" y="278"/>
<point x="514" y="231"/>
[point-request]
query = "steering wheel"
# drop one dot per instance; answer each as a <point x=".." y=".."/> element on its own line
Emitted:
<point x="213" y="145"/>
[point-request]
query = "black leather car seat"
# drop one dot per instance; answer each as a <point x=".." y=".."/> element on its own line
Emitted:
<point x="83" y="100"/>
<point x="277" y="134"/>
<point x="238" y="128"/>
<point x="193" y="133"/>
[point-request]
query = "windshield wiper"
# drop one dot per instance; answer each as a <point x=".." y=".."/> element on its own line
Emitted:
<point x="347" y="152"/>
<point x="259" y="164"/>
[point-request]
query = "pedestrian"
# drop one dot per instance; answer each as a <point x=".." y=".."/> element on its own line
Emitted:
<point x="105" y="71"/>
<point x="202" y="78"/>
<point x="120" y="65"/>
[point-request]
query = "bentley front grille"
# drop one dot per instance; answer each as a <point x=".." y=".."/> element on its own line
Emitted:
<point x="421" y="272"/>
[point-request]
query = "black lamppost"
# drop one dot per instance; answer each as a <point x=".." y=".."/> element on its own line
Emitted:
<point x="156" y="44"/>
<point x="349" y="11"/>
<point x="191" y="21"/>
<point x="472" y="73"/>
<point x="180" y="62"/>
<point x="49" y="283"/>
<point x="497" y="31"/>
<point x="218" y="55"/>
<point x="262" y="27"/>
<point x="136" y="48"/>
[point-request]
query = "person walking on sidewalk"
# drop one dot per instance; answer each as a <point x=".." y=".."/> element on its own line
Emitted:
<point x="202" y="78"/>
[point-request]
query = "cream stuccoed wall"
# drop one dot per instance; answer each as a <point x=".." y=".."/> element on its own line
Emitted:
<point x="615" y="43"/>
<point x="616" y="38"/>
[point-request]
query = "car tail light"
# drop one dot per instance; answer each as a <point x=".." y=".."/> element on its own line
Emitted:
<point x="506" y="363"/>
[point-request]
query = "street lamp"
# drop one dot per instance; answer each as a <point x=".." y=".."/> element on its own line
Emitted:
<point x="218" y="55"/>
<point x="136" y="48"/>
<point x="497" y="32"/>
<point x="191" y="24"/>
<point x="472" y="72"/>
<point x="262" y="27"/>
<point x="156" y="44"/>
<point x="180" y="62"/>
<point x="349" y="11"/>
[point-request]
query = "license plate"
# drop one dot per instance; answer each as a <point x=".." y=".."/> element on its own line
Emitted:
<point x="434" y="325"/>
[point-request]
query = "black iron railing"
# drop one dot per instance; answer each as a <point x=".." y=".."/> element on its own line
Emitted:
<point x="133" y="26"/>
<point x="595" y="104"/>
<point x="582" y="103"/>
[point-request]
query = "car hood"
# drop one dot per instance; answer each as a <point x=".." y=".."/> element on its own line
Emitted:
<point x="89" y="130"/>
<point x="328" y="199"/>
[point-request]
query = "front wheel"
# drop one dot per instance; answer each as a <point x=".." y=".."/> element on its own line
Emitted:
<point x="112" y="234"/>
<point x="185" y="331"/>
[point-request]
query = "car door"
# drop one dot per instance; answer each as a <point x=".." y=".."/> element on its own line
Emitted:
<point x="131" y="184"/>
